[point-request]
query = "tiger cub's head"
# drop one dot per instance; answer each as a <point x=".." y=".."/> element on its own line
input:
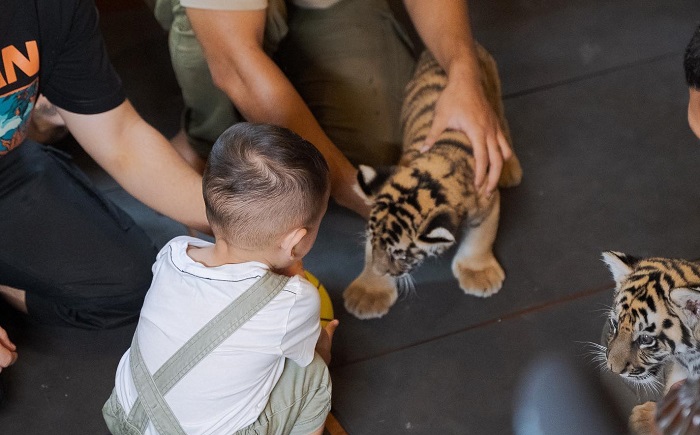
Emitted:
<point x="654" y="316"/>
<point x="410" y="218"/>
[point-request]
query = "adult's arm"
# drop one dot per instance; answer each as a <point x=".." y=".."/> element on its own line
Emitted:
<point x="233" y="46"/>
<point x="444" y="28"/>
<point x="142" y="161"/>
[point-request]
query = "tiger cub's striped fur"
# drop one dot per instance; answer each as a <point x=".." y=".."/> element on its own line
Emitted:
<point x="421" y="207"/>
<point x="654" y="327"/>
<point x="654" y="319"/>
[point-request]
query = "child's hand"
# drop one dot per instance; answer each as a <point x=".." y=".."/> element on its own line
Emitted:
<point x="325" y="339"/>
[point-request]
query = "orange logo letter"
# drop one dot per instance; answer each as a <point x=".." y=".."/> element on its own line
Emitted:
<point x="12" y="57"/>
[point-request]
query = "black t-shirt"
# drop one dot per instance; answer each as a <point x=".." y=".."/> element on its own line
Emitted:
<point x="52" y="47"/>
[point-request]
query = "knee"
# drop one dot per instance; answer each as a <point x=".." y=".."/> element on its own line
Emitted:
<point x="307" y="386"/>
<point x="316" y="399"/>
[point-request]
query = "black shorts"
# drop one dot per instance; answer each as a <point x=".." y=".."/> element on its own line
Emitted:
<point x="81" y="260"/>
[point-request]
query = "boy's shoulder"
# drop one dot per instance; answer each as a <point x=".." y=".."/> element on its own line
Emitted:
<point x="300" y="285"/>
<point x="306" y="297"/>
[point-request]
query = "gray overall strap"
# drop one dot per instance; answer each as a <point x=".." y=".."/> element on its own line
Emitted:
<point x="157" y="409"/>
<point x="150" y="404"/>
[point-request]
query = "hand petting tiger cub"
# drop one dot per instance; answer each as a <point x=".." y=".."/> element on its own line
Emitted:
<point x="424" y="205"/>
<point x="654" y="326"/>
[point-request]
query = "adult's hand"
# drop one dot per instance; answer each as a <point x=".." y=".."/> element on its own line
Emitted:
<point x="8" y="350"/>
<point x="347" y="193"/>
<point x="445" y="30"/>
<point x="463" y="106"/>
<point x="678" y="412"/>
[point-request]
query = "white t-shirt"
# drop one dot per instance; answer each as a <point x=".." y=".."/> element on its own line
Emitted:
<point x="229" y="388"/>
<point x="248" y="5"/>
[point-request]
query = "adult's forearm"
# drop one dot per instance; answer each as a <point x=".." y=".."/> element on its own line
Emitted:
<point x="162" y="180"/>
<point x="232" y="43"/>
<point x="233" y="46"/>
<point x="142" y="161"/>
<point x="444" y="28"/>
<point x="262" y="93"/>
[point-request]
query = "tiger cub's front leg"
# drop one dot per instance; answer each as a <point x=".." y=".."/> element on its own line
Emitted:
<point x="371" y="294"/>
<point x="643" y="419"/>
<point x="474" y="264"/>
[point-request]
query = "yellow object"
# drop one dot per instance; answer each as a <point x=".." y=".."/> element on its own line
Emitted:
<point x="326" y="304"/>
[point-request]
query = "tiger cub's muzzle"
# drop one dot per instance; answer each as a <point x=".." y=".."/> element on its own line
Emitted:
<point x="620" y="353"/>
<point x="396" y="266"/>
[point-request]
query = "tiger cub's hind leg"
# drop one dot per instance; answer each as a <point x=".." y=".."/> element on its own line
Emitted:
<point x="474" y="264"/>
<point x="512" y="173"/>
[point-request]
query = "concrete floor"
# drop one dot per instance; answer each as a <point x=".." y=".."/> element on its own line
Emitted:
<point x="596" y="100"/>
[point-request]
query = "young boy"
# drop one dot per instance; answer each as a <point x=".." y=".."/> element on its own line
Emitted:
<point x="265" y="190"/>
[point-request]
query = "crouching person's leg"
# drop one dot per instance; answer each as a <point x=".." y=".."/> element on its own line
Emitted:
<point x="81" y="260"/>
<point x="299" y="403"/>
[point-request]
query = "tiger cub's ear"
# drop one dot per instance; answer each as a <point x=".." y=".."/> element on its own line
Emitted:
<point x="620" y="264"/>
<point x="440" y="229"/>
<point x="371" y="179"/>
<point x="438" y="234"/>
<point x="688" y="300"/>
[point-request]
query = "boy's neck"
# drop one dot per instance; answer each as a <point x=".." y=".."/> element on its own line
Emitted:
<point x="221" y="253"/>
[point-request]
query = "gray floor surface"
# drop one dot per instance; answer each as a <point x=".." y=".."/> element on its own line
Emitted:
<point x="596" y="100"/>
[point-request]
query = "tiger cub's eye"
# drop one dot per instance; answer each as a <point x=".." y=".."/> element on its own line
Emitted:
<point x="646" y="340"/>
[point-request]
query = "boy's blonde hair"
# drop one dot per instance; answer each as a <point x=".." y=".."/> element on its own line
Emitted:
<point x="262" y="181"/>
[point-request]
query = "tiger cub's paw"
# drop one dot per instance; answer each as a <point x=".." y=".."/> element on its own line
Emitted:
<point x="643" y="419"/>
<point x="479" y="278"/>
<point x="370" y="299"/>
<point x="511" y="174"/>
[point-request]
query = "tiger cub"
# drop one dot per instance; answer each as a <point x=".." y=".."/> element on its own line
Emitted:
<point x="653" y="324"/>
<point x="421" y="207"/>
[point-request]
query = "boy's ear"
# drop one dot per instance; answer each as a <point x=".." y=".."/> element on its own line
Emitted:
<point x="371" y="180"/>
<point x="291" y="240"/>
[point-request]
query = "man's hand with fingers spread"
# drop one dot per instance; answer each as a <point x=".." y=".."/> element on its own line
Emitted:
<point x="464" y="107"/>
<point x="8" y="351"/>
